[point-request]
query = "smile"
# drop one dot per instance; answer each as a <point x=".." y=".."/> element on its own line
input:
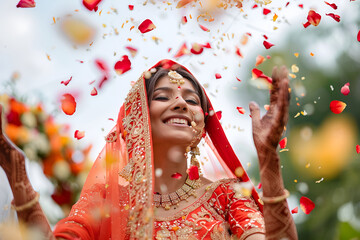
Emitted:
<point x="177" y="121"/>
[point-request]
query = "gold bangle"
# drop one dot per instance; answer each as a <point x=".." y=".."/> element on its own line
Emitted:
<point x="27" y="205"/>
<point x="276" y="199"/>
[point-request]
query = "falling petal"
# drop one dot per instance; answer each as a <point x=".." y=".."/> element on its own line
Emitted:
<point x="196" y="48"/>
<point x="266" y="11"/>
<point x="176" y="175"/>
<point x="238" y="79"/>
<point x="183" y="20"/>
<point x="66" y="82"/>
<point x="133" y="51"/>
<point x="267" y="45"/>
<point x="301" y="5"/>
<point x="357" y="149"/>
<point x="238" y="52"/>
<point x="333" y="5"/>
<point x="259" y="60"/>
<point x="255" y="6"/>
<point x="345" y="89"/>
<point x="182" y="3"/>
<point x="68" y="104"/>
<point x="337" y="106"/>
<point x="306" y="205"/>
<point x="123" y="65"/>
<point x="219" y="114"/>
<point x="217" y="75"/>
<point x="193" y="172"/>
<point x="101" y="64"/>
<point x="103" y="80"/>
<point x="26" y="4"/>
<point x="131" y="7"/>
<point x="78" y="31"/>
<point x="283" y="143"/>
<point x="182" y="51"/>
<point x="146" y="26"/>
<point x="358" y="36"/>
<point x="334" y="16"/>
<point x="204" y="28"/>
<point x="256" y="73"/>
<point x="79" y="134"/>
<point x="91" y="4"/>
<point x="207" y="45"/>
<point x="259" y="186"/>
<point x="267" y="107"/>
<point x="241" y="110"/>
<point x="313" y="19"/>
<point x="295" y="210"/>
<point x="94" y="92"/>
<point x="239" y="172"/>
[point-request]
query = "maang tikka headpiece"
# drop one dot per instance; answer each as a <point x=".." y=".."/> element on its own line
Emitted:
<point x="175" y="77"/>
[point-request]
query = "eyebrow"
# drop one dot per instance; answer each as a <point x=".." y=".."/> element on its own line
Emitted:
<point x="186" y="90"/>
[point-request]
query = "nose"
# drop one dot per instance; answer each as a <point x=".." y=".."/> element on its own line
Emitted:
<point x="180" y="104"/>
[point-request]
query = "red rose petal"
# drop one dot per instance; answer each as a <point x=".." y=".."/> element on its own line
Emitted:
<point x="103" y="80"/>
<point x="283" y="143"/>
<point x="219" y="114"/>
<point x="94" y="92"/>
<point x="241" y="110"/>
<point x="207" y="45"/>
<point x="204" y="28"/>
<point x="133" y="51"/>
<point x="334" y="16"/>
<point x="131" y="7"/>
<point x="91" y="4"/>
<point x="266" y="11"/>
<point x="123" y="65"/>
<point x="176" y="175"/>
<point x="79" y="134"/>
<point x="238" y="79"/>
<point x="333" y="5"/>
<point x="306" y="205"/>
<point x="66" y="82"/>
<point x="146" y="26"/>
<point x="259" y="60"/>
<point x="193" y="172"/>
<point x="196" y="48"/>
<point x="182" y="51"/>
<point x="337" y="106"/>
<point x="266" y="37"/>
<point x="217" y="75"/>
<point x="358" y="36"/>
<point x="345" y="89"/>
<point x="255" y="6"/>
<point x="101" y="65"/>
<point x="68" y="104"/>
<point x="357" y="149"/>
<point x="256" y="73"/>
<point x="295" y="210"/>
<point x="26" y="4"/>
<point x="313" y="18"/>
<point x="301" y="5"/>
<point x="267" y="45"/>
<point x="259" y="186"/>
<point x="238" y="52"/>
<point x="287" y="4"/>
<point x="183" y="20"/>
<point x="306" y="24"/>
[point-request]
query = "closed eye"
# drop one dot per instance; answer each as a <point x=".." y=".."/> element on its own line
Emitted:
<point x="161" y="98"/>
<point x="192" y="102"/>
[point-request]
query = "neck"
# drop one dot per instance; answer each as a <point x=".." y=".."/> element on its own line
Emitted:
<point x="170" y="159"/>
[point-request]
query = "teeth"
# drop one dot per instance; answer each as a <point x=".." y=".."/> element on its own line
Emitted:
<point x="177" y="120"/>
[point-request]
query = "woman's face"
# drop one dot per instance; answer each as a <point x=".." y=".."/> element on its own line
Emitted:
<point x="171" y="111"/>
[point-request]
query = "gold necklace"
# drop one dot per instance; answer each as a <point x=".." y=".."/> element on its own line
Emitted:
<point x="183" y="193"/>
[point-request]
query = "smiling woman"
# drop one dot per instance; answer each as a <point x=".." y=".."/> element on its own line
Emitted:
<point x="145" y="186"/>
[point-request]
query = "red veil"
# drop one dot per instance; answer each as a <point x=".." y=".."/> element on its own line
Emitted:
<point x="117" y="199"/>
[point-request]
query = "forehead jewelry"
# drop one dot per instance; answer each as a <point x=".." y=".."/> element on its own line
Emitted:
<point x="175" y="77"/>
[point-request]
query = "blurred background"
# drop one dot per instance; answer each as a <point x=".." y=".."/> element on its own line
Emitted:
<point x="57" y="41"/>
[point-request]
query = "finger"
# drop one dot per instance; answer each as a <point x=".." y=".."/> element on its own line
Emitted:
<point x="275" y="86"/>
<point x="283" y="104"/>
<point x="255" y="113"/>
<point x="1" y="108"/>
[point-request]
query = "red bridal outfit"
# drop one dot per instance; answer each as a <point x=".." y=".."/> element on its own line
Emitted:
<point x="117" y="199"/>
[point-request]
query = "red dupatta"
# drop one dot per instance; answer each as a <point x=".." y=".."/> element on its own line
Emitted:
<point x="117" y="199"/>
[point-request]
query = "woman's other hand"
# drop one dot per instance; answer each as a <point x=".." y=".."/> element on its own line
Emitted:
<point x="267" y="130"/>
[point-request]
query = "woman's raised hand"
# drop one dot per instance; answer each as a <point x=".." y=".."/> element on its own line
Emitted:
<point x="12" y="159"/>
<point x="267" y="130"/>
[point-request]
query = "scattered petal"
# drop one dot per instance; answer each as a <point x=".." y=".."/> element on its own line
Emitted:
<point x="183" y="20"/>
<point x="94" y="92"/>
<point x="123" y="65"/>
<point x="193" y="172"/>
<point x="79" y="134"/>
<point x="306" y="205"/>
<point x="182" y="3"/>
<point x="267" y="45"/>
<point x="102" y="66"/>
<point x="283" y="143"/>
<point x="131" y="7"/>
<point x="337" y="106"/>
<point x="334" y="16"/>
<point x="204" y="28"/>
<point x="78" y="31"/>
<point x="294" y="68"/>
<point x="358" y="36"/>
<point x="133" y="51"/>
<point x="103" y="80"/>
<point x="259" y="186"/>
<point x="301" y="5"/>
<point x="217" y="75"/>
<point x="295" y="210"/>
<point x="319" y="181"/>
<point x="333" y="5"/>
<point x="239" y="172"/>
<point x="267" y="107"/>
<point x="357" y="149"/>
<point x="66" y="82"/>
<point x="238" y="79"/>
<point x="91" y="4"/>
<point x="255" y="6"/>
<point x="238" y="52"/>
<point x="68" y="104"/>
<point x="313" y="19"/>
<point x="256" y="73"/>
<point x="196" y="48"/>
<point x="345" y="89"/>
<point x="207" y="45"/>
<point x="259" y="60"/>
<point x="176" y="175"/>
<point x="219" y="114"/>
<point x="241" y="110"/>
<point x="26" y="4"/>
<point x="266" y="11"/>
<point x="146" y="26"/>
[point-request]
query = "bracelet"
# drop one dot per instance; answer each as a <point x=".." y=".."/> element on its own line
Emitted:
<point x="27" y="205"/>
<point x="276" y="199"/>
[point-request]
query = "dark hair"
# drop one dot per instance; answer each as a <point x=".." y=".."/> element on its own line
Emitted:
<point x="160" y="72"/>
